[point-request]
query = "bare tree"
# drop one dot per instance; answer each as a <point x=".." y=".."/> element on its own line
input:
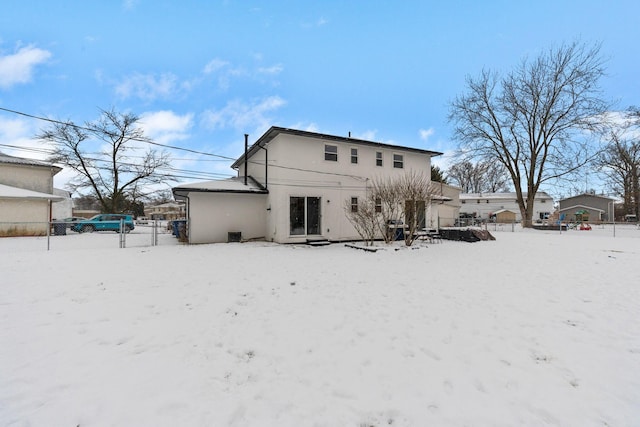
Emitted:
<point x="481" y="177"/>
<point x="361" y="213"/>
<point x="107" y="157"/>
<point x="530" y="120"/>
<point x="416" y="191"/>
<point x="620" y="161"/>
<point x="389" y="204"/>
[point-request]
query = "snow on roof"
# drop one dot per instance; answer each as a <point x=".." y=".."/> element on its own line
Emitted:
<point x="8" y="192"/>
<point x="231" y="185"/>
<point x="5" y="158"/>
<point x="501" y="196"/>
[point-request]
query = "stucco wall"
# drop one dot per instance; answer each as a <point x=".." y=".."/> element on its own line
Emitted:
<point x="298" y="169"/>
<point x="20" y="217"/>
<point x="213" y="215"/>
<point x="32" y="178"/>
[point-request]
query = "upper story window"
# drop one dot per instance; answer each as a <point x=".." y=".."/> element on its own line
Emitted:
<point x="331" y="152"/>
<point x="378" y="158"/>
<point x="354" y="156"/>
<point x="354" y="204"/>
<point x="378" y="204"/>
<point x="398" y="161"/>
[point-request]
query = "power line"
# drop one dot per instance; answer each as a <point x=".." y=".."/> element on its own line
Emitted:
<point x="173" y="147"/>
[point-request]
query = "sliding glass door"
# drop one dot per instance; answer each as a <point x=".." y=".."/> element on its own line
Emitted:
<point x="304" y="216"/>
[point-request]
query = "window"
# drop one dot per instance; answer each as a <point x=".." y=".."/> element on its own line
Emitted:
<point x="304" y="215"/>
<point x="354" y="204"/>
<point x="354" y="156"/>
<point x="378" y="158"/>
<point x="331" y="153"/>
<point x="378" y="205"/>
<point x="398" y="161"/>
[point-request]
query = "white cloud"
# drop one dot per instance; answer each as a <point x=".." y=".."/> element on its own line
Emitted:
<point x="368" y="135"/>
<point x="309" y="127"/>
<point x="148" y="86"/>
<point x="165" y="126"/>
<point x="425" y="134"/>
<point x="19" y="67"/>
<point x="274" y="69"/>
<point x="214" y="65"/>
<point x="129" y="4"/>
<point x="244" y="116"/>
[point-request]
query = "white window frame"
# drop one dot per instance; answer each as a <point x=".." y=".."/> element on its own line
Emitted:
<point x="328" y="153"/>
<point x="398" y="163"/>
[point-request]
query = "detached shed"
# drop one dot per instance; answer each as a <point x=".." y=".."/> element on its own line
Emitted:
<point x="505" y="216"/>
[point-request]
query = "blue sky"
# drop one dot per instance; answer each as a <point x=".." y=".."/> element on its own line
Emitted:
<point x="201" y="74"/>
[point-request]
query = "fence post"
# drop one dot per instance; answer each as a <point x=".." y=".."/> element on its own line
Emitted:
<point x="48" y="234"/>
<point x="122" y="243"/>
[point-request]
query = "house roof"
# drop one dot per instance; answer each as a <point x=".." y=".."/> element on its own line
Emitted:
<point x="580" y="207"/>
<point x="274" y="131"/>
<point x="587" y="195"/>
<point x="9" y="192"/>
<point x="7" y="159"/>
<point x="501" y="196"/>
<point x="231" y="185"/>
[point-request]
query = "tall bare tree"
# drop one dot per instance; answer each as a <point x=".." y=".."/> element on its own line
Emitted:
<point x="108" y="156"/>
<point x="530" y="119"/>
<point x="620" y="160"/>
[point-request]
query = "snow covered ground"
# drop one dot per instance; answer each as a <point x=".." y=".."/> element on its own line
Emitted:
<point x="535" y="328"/>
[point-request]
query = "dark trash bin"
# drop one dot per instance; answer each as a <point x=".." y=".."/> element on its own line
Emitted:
<point x="180" y="229"/>
<point x="60" y="228"/>
<point x="396" y="229"/>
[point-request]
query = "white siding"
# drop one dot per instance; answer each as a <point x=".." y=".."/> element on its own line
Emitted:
<point x="213" y="215"/>
<point x="298" y="168"/>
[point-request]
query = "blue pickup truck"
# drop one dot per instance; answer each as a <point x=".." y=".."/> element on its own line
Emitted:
<point x="104" y="222"/>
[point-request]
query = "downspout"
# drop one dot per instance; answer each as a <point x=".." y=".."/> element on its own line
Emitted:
<point x="246" y="161"/>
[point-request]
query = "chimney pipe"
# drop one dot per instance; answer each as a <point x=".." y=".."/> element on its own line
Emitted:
<point x="246" y="162"/>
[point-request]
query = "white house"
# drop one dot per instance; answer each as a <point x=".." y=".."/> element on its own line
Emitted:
<point x="26" y="196"/>
<point x="484" y="205"/>
<point x="292" y="186"/>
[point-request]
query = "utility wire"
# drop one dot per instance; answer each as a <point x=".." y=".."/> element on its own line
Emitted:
<point x="173" y="147"/>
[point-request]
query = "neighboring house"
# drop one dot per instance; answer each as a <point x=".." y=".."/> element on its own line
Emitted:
<point x="445" y="207"/>
<point x="293" y="186"/>
<point x="26" y="196"/>
<point x="586" y="208"/>
<point x="167" y="211"/>
<point x="483" y="206"/>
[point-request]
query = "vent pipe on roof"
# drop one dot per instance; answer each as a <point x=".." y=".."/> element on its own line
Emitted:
<point x="246" y="161"/>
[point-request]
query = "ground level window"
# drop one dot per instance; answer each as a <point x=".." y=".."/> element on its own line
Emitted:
<point x="398" y="161"/>
<point x="304" y="215"/>
<point x="331" y="152"/>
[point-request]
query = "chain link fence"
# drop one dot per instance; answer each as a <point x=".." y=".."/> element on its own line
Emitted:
<point x="58" y="235"/>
